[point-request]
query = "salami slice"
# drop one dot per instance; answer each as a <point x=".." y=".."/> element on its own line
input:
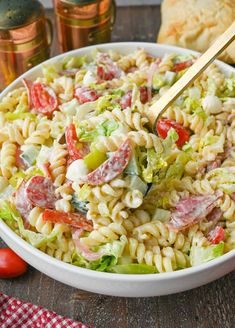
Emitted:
<point x="192" y="209"/>
<point x="41" y="192"/>
<point x="74" y="219"/>
<point x="111" y="168"/>
<point x="22" y="202"/>
<point x="41" y="98"/>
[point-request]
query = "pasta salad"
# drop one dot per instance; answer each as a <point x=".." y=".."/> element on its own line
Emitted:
<point x="86" y="180"/>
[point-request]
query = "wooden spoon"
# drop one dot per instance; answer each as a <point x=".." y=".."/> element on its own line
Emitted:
<point x="192" y="73"/>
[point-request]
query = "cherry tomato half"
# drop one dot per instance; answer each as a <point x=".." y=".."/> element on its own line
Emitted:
<point x="104" y="75"/>
<point x="164" y="125"/>
<point x="71" y="140"/>
<point x="216" y="235"/>
<point x="11" y="265"/>
<point x="181" y="66"/>
<point x="85" y="95"/>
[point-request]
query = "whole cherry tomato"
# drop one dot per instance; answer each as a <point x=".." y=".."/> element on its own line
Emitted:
<point x="164" y="125"/>
<point x="11" y="265"/>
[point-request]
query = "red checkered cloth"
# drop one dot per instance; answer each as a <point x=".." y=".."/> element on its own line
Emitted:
<point x="17" y="314"/>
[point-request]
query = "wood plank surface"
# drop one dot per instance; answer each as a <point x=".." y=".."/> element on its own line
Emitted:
<point x="210" y="306"/>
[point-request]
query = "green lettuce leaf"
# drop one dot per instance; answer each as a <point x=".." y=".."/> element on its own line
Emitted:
<point x="103" y="129"/>
<point x="50" y="72"/>
<point x="84" y="192"/>
<point x="230" y="86"/>
<point x="199" y="255"/>
<point x="106" y="103"/>
<point x="158" y="81"/>
<point x="151" y="163"/>
<point x="176" y="170"/>
<point x="111" y="254"/>
<point x="133" y="268"/>
<point x="74" y="62"/>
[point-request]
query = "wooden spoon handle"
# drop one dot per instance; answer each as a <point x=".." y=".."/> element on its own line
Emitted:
<point x="192" y="73"/>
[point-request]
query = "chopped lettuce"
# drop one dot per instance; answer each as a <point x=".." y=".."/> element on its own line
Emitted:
<point x="151" y="163"/>
<point x="43" y="156"/>
<point x="230" y="86"/>
<point x="169" y="78"/>
<point x="118" y="92"/>
<point x="183" y="58"/>
<point x="17" y="178"/>
<point x="106" y="103"/>
<point x="74" y="62"/>
<point x="133" y="268"/>
<point x="50" y="72"/>
<point x="199" y="111"/>
<point x="199" y="255"/>
<point x="84" y="192"/>
<point x="135" y="183"/>
<point x="10" y="216"/>
<point x="21" y="111"/>
<point x="30" y="154"/>
<point x="172" y="137"/>
<point x="133" y="167"/>
<point x="176" y="170"/>
<point x="158" y="81"/>
<point x="103" y="129"/>
<point x="111" y="252"/>
<point x="70" y="108"/>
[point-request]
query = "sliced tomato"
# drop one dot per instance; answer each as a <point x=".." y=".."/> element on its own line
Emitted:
<point x="73" y="219"/>
<point x="164" y="125"/>
<point x="11" y="265"/>
<point x="41" y="98"/>
<point x="181" y="66"/>
<point x="216" y="235"/>
<point x="85" y="95"/>
<point x="71" y="140"/>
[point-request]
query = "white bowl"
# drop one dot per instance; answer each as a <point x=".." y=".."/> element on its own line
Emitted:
<point x="109" y="283"/>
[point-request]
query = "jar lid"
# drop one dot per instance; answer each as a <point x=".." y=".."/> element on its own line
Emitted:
<point x="16" y="13"/>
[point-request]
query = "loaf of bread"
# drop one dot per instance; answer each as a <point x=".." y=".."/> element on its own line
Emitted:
<point x="195" y="24"/>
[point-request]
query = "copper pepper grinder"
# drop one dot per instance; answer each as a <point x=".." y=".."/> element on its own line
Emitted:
<point x="84" y="22"/>
<point x="24" y="39"/>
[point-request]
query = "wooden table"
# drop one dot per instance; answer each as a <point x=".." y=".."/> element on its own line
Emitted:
<point x="209" y="306"/>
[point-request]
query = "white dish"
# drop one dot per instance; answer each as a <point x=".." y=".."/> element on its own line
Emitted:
<point x="109" y="283"/>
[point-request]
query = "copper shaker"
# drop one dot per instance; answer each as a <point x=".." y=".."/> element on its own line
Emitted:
<point x="24" y="38"/>
<point x="84" y="22"/>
